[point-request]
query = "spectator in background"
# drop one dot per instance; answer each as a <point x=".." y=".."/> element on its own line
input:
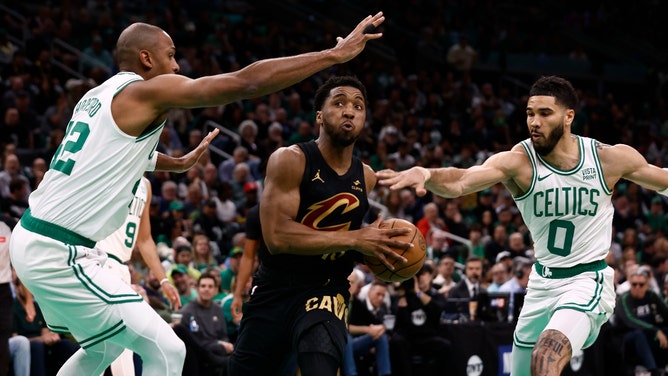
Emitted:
<point x="365" y="325"/>
<point x="183" y="256"/>
<point x="467" y="289"/>
<point x="183" y="283"/>
<point x="210" y="225"/>
<point x="15" y="205"/>
<point x="48" y="350"/>
<point x="446" y="276"/>
<point x="462" y="56"/>
<point x="499" y="273"/>
<point x="226" y="209"/>
<point x="203" y="258"/>
<point x="95" y="55"/>
<point x="437" y="245"/>
<point x="497" y="244"/>
<point x="227" y="167"/>
<point x="516" y="245"/>
<point x="12" y="170"/>
<point x="226" y="276"/>
<point x="210" y="346"/>
<point x="19" y="352"/>
<point x="419" y="308"/>
<point x="431" y="220"/>
<point x="644" y="316"/>
<point x="303" y="133"/>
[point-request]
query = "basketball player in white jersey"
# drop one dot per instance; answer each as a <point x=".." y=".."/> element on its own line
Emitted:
<point x="109" y="144"/>
<point x="562" y="184"/>
<point x="136" y="231"/>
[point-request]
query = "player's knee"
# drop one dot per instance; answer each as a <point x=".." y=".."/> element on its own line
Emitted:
<point x="551" y="353"/>
<point x="175" y="348"/>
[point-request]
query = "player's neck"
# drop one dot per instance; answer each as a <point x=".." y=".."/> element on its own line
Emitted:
<point x="566" y="153"/>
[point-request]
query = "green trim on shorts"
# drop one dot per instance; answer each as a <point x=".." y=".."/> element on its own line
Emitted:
<point x="52" y="231"/>
<point x="558" y="273"/>
<point x="98" y="291"/>
<point x="58" y="329"/>
<point x="115" y="258"/>
<point x="94" y="340"/>
<point x="595" y="299"/>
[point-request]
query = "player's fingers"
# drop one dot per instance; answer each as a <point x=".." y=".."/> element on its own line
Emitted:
<point x="378" y="221"/>
<point x="396" y="232"/>
<point x="393" y="255"/>
<point x="209" y="137"/>
<point x="381" y="257"/>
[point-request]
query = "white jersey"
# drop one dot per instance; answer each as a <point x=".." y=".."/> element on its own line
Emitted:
<point x="569" y="213"/>
<point x="97" y="167"/>
<point x="120" y="244"/>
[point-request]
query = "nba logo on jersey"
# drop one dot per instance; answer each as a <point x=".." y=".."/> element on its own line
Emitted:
<point x="3" y="239"/>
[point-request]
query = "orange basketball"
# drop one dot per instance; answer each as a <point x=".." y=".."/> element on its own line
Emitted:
<point x="415" y="256"/>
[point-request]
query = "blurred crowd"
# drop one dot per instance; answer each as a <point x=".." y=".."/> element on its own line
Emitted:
<point x="430" y="106"/>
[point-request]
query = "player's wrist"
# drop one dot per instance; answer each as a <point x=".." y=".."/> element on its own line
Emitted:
<point x="163" y="281"/>
<point x="426" y="174"/>
<point x="663" y="192"/>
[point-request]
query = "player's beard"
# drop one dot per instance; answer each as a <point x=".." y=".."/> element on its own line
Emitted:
<point x="343" y="139"/>
<point x="550" y="142"/>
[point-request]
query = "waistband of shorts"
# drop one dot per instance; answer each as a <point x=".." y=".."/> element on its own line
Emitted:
<point x="53" y="231"/>
<point x="556" y="273"/>
<point x="117" y="259"/>
<point x="295" y="279"/>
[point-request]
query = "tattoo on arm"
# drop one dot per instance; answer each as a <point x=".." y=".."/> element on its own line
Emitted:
<point x="600" y="145"/>
<point x="551" y="353"/>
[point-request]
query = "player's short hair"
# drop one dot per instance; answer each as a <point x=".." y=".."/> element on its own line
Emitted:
<point x="337" y="81"/>
<point x="557" y="87"/>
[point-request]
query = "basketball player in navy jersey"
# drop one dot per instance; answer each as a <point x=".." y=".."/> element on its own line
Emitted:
<point x="314" y="200"/>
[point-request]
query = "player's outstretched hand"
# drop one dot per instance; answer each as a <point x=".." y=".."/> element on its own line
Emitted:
<point x="415" y="178"/>
<point x="191" y="158"/>
<point x="350" y="46"/>
<point x="376" y="242"/>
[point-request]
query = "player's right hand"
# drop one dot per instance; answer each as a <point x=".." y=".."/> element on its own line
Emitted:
<point x="379" y="243"/>
<point x="350" y="46"/>
<point x="415" y="178"/>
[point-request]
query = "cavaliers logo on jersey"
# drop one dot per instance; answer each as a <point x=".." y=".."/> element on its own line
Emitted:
<point x="326" y="215"/>
<point x="332" y="207"/>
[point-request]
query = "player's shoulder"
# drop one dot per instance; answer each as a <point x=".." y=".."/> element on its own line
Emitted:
<point x="287" y="154"/>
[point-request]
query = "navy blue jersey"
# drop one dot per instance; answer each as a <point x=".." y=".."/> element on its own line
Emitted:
<point x="328" y="202"/>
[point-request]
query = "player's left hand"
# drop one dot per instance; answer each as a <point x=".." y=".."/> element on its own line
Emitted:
<point x="172" y="295"/>
<point x="415" y="178"/>
<point x="191" y="158"/>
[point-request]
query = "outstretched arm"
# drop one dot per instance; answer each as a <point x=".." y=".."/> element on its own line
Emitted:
<point x="141" y="102"/>
<point x="149" y="252"/>
<point x="622" y="161"/>
<point x="455" y="182"/>
<point x="283" y="234"/>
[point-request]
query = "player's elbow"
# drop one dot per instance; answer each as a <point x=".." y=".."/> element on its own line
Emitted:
<point x="277" y="247"/>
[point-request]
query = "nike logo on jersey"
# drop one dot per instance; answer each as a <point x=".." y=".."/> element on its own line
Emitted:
<point x="541" y="178"/>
